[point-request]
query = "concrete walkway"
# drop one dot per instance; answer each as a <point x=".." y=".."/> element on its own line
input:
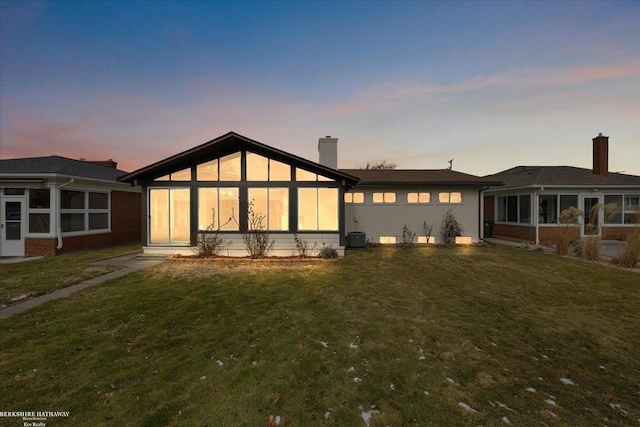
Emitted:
<point x="128" y="263"/>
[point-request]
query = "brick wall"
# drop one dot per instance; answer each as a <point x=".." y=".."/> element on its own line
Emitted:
<point x="40" y="247"/>
<point x="616" y="233"/>
<point x="548" y="234"/>
<point x="126" y="227"/>
<point x="514" y="232"/>
<point x="489" y="208"/>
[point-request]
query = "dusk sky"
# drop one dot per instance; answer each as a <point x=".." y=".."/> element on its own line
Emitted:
<point x="491" y="85"/>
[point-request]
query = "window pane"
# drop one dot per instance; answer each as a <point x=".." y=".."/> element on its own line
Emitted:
<point x="98" y="201"/>
<point x="72" y="199"/>
<point x="324" y="178"/>
<point x="163" y="178"/>
<point x="183" y="175"/>
<point x="13" y="231"/>
<point x="13" y="211"/>
<point x="613" y="209"/>
<point x="180" y="211"/>
<point x="14" y="191"/>
<point x="443" y="197"/>
<point x="230" y="167"/>
<point x="228" y="217"/>
<point x="257" y="167"/>
<point x="258" y="205"/>
<point x="39" y="199"/>
<point x="548" y="209"/>
<point x="568" y="201"/>
<point x="631" y="209"/>
<point x="512" y="208"/>
<point x="348" y="197"/>
<point x="279" y="171"/>
<point x="502" y="208"/>
<point x="98" y="221"/>
<point x="525" y="209"/>
<point x="389" y="197"/>
<point x="424" y="197"/>
<point x="412" y="198"/>
<point x="455" y="197"/>
<point x="278" y="209"/>
<point x="328" y="208"/>
<point x="208" y="208"/>
<point x="159" y="212"/>
<point x="358" y="197"/>
<point x="39" y="223"/>
<point x="378" y="198"/>
<point x="303" y="175"/>
<point x="72" y="222"/>
<point x="387" y="240"/>
<point x="207" y="171"/>
<point x="307" y="208"/>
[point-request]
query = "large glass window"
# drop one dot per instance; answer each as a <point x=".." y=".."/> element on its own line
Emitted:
<point x="621" y="209"/>
<point x="524" y="208"/>
<point x="260" y="168"/>
<point x="318" y="209"/>
<point x="230" y="167"/>
<point x="514" y="209"/>
<point x="271" y="205"/>
<point x="548" y="209"/>
<point x="81" y="211"/>
<point x="169" y="215"/>
<point x="39" y="210"/>
<point x="221" y="201"/>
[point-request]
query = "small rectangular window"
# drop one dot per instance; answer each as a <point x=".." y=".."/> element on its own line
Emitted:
<point x="418" y="197"/>
<point x="348" y="197"/>
<point x="387" y="240"/>
<point x="384" y="197"/>
<point x="39" y="223"/>
<point x="450" y="197"/>
<point x="613" y="209"/>
<point x="39" y="199"/>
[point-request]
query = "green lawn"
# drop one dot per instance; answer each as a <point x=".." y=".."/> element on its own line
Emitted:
<point x="33" y="278"/>
<point x="419" y="333"/>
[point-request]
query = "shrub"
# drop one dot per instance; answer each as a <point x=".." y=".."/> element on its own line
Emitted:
<point x="256" y="237"/>
<point x="302" y="246"/>
<point x="451" y="228"/>
<point x="630" y="255"/>
<point x="327" y="252"/>
<point x="589" y="248"/>
<point x="408" y="236"/>
<point x="568" y="219"/>
<point x="210" y="240"/>
<point x="427" y="229"/>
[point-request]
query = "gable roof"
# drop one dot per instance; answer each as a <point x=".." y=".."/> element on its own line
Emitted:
<point x="419" y="177"/>
<point x="536" y="176"/>
<point x="227" y="144"/>
<point x="59" y="165"/>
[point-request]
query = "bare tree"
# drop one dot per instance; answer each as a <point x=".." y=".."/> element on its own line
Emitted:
<point x="383" y="165"/>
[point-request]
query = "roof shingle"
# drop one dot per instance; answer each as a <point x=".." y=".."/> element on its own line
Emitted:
<point x="418" y="177"/>
<point x="59" y="165"/>
<point x="522" y="176"/>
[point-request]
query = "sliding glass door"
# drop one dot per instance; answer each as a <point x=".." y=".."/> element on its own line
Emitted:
<point x="169" y="216"/>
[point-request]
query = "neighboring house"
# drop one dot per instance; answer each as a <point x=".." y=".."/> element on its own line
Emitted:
<point x="182" y="193"/>
<point x="528" y="206"/>
<point x="51" y="205"/>
<point x="295" y="196"/>
<point x="385" y="201"/>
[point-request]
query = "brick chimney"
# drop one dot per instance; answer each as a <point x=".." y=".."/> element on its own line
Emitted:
<point x="328" y="152"/>
<point x="108" y="163"/>
<point x="601" y="155"/>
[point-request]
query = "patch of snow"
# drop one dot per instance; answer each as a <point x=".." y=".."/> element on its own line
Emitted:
<point x="492" y="404"/>
<point x="545" y="356"/>
<point x="18" y="298"/>
<point x="219" y="362"/>
<point x="392" y="387"/>
<point x="530" y="389"/>
<point x="567" y="381"/>
<point x="503" y="406"/>
<point x="540" y="378"/>
<point x="352" y="345"/>
<point x="478" y="349"/>
<point x="536" y="359"/>
<point x="466" y="407"/>
<point x="327" y="415"/>
<point x="255" y="363"/>
<point x="426" y="393"/>
<point x="410" y="340"/>
<point x="552" y="414"/>
<point x="494" y="344"/>
<point x="278" y="419"/>
<point x="506" y="420"/>
<point x="324" y="344"/>
<point x="351" y="369"/>
<point x="451" y="380"/>
<point x="602" y="367"/>
<point x="366" y="416"/>
<point x="204" y="377"/>
<point x="551" y="402"/>
<point x="357" y="380"/>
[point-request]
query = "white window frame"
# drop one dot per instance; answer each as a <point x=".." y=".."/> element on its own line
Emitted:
<point x="86" y="211"/>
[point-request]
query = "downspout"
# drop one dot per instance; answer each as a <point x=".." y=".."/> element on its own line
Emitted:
<point x="536" y="213"/>
<point x="58" y="214"/>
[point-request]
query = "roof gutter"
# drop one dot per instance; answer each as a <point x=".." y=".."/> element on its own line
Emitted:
<point x="58" y="214"/>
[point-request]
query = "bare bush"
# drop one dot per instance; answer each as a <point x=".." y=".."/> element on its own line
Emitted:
<point x="427" y="229"/>
<point x="630" y="254"/>
<point x="408" y="236"/>
<point x="210" y="240"/>
<point x="451" y="228"/>
<point x="256" y="237"/>
<point x="567" y="221"/>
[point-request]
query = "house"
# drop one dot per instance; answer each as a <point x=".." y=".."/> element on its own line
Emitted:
<point x="214" y="185"/>
<point x="527" y="207"/>
<point x="51" y="205"/>
<point x="209" y="187"/>
<point x="386" y="201"/>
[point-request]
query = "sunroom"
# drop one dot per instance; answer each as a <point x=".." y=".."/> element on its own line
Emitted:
<point x="233" y="185"/>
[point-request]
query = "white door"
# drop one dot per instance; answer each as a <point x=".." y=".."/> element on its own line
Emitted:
<point x="12" y="226"/>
